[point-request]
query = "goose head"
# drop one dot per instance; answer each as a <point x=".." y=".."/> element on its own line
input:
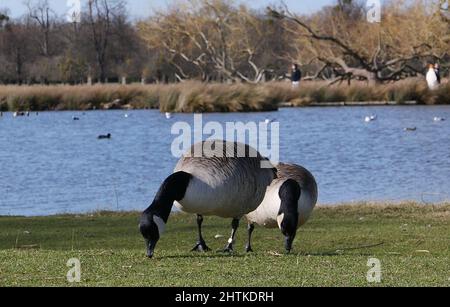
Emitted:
<point x="288" y="215"/>
<point x="153" y="221"/>
<point x="151" y="227"/>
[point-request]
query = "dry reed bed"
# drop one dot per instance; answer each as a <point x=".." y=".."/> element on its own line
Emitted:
<point x="200" y="97"/>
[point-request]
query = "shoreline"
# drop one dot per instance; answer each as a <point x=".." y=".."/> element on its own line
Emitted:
<point x="339" y="206"/>
<point x="355" y="104"/>
<point x="280" y="106"/>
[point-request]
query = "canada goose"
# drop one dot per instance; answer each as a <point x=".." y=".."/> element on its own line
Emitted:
<point x="410" y="129"/>
<point x="288" y="203"/>
<point x="214" y="178"/>
<point x="75" y="118"/>
<point x="103" y="137"/>
<point x="439" y="119"/>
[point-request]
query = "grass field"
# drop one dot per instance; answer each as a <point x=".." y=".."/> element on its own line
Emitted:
<point x="411" y="241"/>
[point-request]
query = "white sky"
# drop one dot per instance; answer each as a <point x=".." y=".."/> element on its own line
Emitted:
<point x="144" y="8"/>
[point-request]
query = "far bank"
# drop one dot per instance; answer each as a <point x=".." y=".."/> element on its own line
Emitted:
<point x="193" y="97"/>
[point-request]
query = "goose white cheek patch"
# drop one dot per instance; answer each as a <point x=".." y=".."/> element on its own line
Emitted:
<point x="280" y="219"/>
<point x="160" y="223"/>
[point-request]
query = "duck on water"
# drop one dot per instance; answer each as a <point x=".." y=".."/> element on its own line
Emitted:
<point x="104" y="137"/>
<point x="209" y="184"/>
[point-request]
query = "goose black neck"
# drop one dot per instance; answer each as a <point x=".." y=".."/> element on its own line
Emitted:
<point x="289" y="194"/>
<point x="173" y="189"/>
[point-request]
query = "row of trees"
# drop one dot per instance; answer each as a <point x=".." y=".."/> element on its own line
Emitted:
<point x="218" y="40"/>
<point x="42" y="47"/>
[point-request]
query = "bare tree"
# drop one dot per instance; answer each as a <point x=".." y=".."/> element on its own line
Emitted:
<point x="210" y="37"/>
<point x="355" y="49"/>
<point x="16" y="48"/>
<point x="42" y="14"/>
<point x="445" y="11"/>
<point x="100" y="16"/>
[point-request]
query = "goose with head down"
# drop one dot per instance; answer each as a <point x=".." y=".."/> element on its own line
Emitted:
<point x="288" y="203"/>
<point x="226" y="179"/>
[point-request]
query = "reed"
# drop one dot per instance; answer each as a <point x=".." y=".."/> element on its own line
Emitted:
<point x="194" y="96"/>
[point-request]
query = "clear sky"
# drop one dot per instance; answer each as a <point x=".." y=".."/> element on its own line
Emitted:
<point x="144" y="8"/>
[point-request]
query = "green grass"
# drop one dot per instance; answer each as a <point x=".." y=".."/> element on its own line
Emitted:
<point x="411" y="241"/>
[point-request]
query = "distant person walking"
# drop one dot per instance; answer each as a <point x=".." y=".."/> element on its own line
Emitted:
<point x="296" y="75"/>
<point x="432" y="78"/>
<point x="437" y="69"/>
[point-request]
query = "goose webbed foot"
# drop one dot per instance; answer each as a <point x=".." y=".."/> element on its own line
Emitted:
<point x="228" y="249"/>
<point x="248" y="249"/>
<point x="201" y="247"/>
<point x="201" y="244"/>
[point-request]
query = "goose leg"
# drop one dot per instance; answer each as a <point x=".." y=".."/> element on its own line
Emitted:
<point x="250" y="229"/>
<point x="235" y="226"/>
<point x="201" y="244"/>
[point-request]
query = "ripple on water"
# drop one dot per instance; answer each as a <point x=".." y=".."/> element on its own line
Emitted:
<point x="51" y="164"/>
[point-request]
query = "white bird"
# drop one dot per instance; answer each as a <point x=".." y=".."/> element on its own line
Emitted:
<point x="168" y="115"/>
<point x="288" y="203"/>
<point x="126" y="115"/>
<point x="207" y="181"/>
<point x="371" y="118"/>
<point x="268" y="121"/>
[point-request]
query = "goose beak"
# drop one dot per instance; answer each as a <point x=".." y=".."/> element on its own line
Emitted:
<point x="151" y="249"/>
<point x="288" y="243"/>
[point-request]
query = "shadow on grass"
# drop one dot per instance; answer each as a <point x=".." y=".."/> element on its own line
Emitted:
<point x="330" y="254"/>
<point x="333" y="253"/>
<point x="219" y="255"/>
<point x="201" y="256"/>
<point x="343" y="251"/>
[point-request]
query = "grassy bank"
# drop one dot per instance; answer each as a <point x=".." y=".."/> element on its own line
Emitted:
<point x="411" y="241"/>
<point x="199" y="97"/>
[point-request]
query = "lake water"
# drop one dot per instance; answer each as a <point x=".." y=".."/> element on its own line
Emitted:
<point x="52" y="164"/>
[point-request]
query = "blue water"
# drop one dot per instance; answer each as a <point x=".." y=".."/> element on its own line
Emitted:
<point x="50" y="164"/>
